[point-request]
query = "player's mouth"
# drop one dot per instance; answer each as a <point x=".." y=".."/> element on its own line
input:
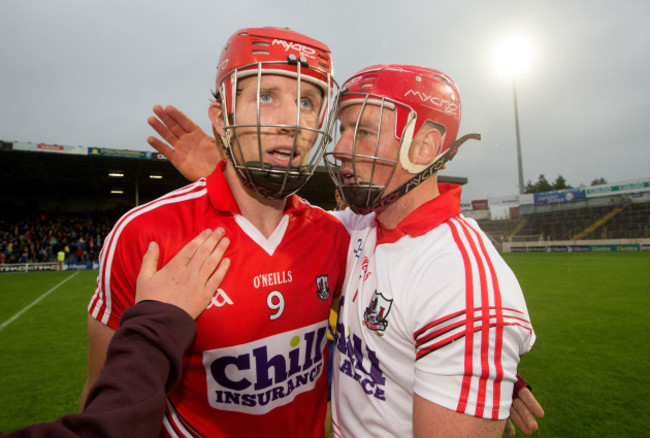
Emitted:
<point x="281" y="156"/>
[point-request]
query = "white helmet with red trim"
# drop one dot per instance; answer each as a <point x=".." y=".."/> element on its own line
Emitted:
<point x="253" y="52"/>
<point x="417" y="95"/>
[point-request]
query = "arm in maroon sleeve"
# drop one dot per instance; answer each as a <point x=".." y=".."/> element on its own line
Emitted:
<point x="143" y="361"/>
<point x="142" y="366"/>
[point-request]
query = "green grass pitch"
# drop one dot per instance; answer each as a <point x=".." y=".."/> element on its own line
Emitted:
<point x="588" y="367"/>
<point x="42" y="352"/>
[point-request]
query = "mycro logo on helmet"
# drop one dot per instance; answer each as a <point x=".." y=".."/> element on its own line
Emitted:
<point x="444" y="105"/>
<point x="303" y="50"/>
<point x="223" y="64"/>
<point x="257" y="377"/>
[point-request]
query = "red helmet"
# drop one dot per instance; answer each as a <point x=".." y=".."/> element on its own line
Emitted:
<point x="277" y="51"/>
<point x="421" y="94"/>
<point x="274" y="50"/>
<point x="418" y="95"/>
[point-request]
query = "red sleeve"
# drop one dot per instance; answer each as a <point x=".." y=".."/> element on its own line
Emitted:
<point x="119" y="265"/>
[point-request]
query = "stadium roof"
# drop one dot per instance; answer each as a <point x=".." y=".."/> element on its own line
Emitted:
<point x="76" y="178"/>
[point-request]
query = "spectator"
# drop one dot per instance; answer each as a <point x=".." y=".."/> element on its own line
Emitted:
<point x="60" y="258"/>
<point x="42" y="237"/>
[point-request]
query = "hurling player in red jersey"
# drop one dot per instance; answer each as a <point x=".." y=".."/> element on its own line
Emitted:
<point x="257" y="366"/>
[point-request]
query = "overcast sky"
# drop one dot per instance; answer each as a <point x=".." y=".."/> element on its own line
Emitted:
<point x="88" y="72"/>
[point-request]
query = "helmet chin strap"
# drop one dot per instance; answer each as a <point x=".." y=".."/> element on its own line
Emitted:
<point x="436" y="165"/>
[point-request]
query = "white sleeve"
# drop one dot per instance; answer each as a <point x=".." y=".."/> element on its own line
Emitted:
<point x="470" y="325"/>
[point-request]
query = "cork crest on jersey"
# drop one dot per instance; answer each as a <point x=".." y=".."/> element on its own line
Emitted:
<point x="376" y="313"/>
<point x="323" y="287"/>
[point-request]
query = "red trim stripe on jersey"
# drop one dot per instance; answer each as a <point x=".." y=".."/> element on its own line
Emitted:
<point x="336" y="430"/>
<point x="188" y="192"/>
<point x="447" y="318"/>
<point x="97" y="298"/>
<point x="459" y="335"/>
<point x="469" y="306"/>
<point x="176" y="425"/>
<point x="452" y="331"/>
<point x="475" y="257"/>
<point x="448" y="323"/>
<point x="485" y="334"/>
<point x="498" y="341"/>
<point x="102" y="298"/>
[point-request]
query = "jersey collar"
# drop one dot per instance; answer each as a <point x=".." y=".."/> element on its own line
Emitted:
<point x="222" y="198"/>
<point x="426" y="217"/>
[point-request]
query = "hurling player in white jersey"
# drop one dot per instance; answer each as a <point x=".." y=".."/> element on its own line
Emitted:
<point x="432" y="321"/>
<point x="257" y="366"/>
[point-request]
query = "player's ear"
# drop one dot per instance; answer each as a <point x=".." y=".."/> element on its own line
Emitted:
<point x="425" y="146"/>
<point x="215" y="111"/>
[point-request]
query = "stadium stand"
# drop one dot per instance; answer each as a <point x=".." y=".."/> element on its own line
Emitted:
<point x="63" y="197"/>
<point x="38" y="239"/>
<point x="43" y="177"/>
<point x="632" y="222"/>
<point x="620" y="222"/>
<point x="614" y="219"/>
<point x="502" y="229"/>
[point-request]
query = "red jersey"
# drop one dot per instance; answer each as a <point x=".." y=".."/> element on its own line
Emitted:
<point x="258" y="364"/>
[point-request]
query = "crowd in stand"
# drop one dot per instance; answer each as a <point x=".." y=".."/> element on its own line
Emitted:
<point x="40" y="238"/>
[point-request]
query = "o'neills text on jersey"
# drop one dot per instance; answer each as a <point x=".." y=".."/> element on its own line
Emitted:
<point x="257" y="377"/>
<point x="272" y="279"/>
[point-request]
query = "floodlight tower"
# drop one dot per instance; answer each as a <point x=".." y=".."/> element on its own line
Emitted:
<point x="512" y="57"/>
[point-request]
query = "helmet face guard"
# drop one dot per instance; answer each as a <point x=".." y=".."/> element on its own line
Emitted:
<point x="360" y="194"/>
<point x="253" y="53"/>
<point x="417" y="95"/>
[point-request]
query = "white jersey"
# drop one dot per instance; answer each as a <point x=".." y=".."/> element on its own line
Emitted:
<point x="428" y="308"/>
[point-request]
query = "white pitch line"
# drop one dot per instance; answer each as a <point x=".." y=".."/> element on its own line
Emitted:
<point x="33" y="303"/>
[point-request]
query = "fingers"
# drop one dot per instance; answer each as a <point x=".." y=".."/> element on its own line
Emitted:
<point x="170" y="124"/>
<point x="186" y="255"/>
<point x="206" y="266"/>
<point x="161" y="147"/>
<point x="179" y="117"/>
<point x="149" y="261"/>
<point x="510" y="428"/>
<point x="204" y="259"/>
<point x="210" y="263"/>
<point x="203" y="255"/>
<point x="217" y="276"/>
<point x="148" y="270"/>
<point x="523" y="417"/>
<point x="514" y="416"/>
<point x="531" y="402"/>
<point x="159" y="110"/>
<point x="175" y="121"/>
<point x="162" y="129"/>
